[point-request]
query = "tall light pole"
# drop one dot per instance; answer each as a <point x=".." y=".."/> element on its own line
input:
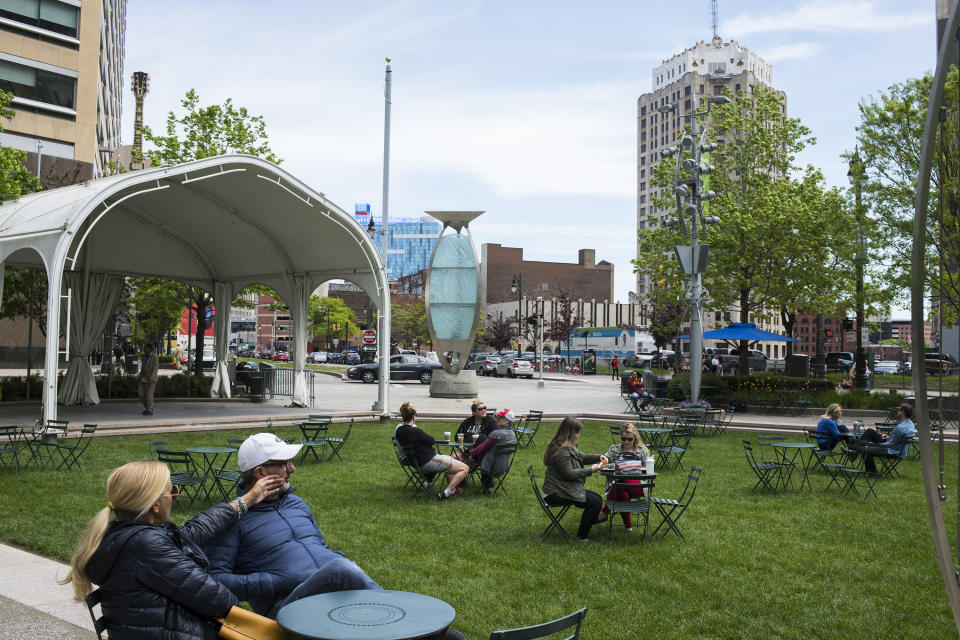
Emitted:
<point x="693" y="258"/>
<point x="384" y="229"/>
<point x="517" y="287"/>
<point x="855" y="174"/>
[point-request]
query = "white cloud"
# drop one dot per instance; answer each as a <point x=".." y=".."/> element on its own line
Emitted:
<point x="797" y="51"/>
<point x="859" y="15"/>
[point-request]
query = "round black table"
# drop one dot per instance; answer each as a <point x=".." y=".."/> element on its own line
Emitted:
<point x="366" y="614"/>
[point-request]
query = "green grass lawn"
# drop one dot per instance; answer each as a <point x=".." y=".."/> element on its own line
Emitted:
<point x="795" y="565"/>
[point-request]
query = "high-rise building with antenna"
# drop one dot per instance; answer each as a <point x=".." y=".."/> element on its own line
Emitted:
<point x="688" y="78"/>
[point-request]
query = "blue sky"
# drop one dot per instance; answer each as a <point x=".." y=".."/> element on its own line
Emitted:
<point x="524" y="109"/>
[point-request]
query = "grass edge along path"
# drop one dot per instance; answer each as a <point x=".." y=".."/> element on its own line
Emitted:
<point x="793" y="565"/>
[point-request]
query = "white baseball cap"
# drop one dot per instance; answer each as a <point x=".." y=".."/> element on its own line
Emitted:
<point x="506" y="413"/>
<point x="261" y="447"/>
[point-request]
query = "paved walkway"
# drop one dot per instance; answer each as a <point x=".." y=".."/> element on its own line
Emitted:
<point x="33" y="605"/>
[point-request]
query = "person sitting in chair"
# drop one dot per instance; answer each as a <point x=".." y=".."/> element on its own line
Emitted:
<point x="491" y="465"/>
<point x="277" y="554"/>
<point x="896" y="444"/>
<point x="829" y="429"/>
<point x="638" y="396"/>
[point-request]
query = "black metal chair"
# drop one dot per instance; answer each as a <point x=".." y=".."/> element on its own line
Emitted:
<point x="93" y="600"/>
<point x="639" y="506"/>
<point x="10" y="450"/>
<point x="423" y="481"/>
<point x="671" y="453"/>
<point x="555" y="518"/>
<point x="155" y="446"/>
<point x="766" y="472"/>
<point x="573" y="620"/>
<point x="672" y="510"/>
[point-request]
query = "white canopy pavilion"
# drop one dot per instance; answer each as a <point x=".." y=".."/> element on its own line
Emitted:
<point x="220" y="223"/>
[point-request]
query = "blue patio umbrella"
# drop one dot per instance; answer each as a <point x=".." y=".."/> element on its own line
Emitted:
<point x="744" y="331"/>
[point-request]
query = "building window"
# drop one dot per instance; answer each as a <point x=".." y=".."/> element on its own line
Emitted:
<point x="686" y="105"/>
<point x="643" y="148"/>
<point x="701" y="88"/>
<point x="643" y="160"/>
<point x="37" y="84"/>
<point x="718" y="89"/>
<point x="643" y="110"/>
<point x="643" y="173"/>
<point x="51" y="15"/>
<point x="738" y="88"/>
<point x="686" y="90"/>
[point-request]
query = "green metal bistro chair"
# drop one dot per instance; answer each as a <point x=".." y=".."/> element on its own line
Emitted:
<point x="70" y="453"/>
<point x="766" y="472"/>
<point x="502" y="450"/>
<point x="155" y="446"/>
<point x="672" y="510"/>
<point x="671" y="453"/>
<point x="615" y="433"/>
<point x="183" y="473"/>
<point x="336" y="443"/>
<point x="574" y="620"/>
<point x="314" y="437"/>
<point x="555" y="518"/>
<point x="639" y="506"/>
<point x="822" y="456"/>
<point x="764" y="443"/>
<point x="423" y="481"/>
<point x="10" y="450"/>
<point x="853" y="472"/>
<point x="93" y="600"/>
<point x="235" y="443"/>
<point x="527" y="432"/>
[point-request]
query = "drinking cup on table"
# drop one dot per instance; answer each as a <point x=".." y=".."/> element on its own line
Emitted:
<point x="460" y="438"/>
<point x="446" y="436"/>
<point x="476" y="437"/>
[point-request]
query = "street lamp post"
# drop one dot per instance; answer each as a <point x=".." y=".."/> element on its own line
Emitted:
<point x="860" y="358"/>
<point x="517" y="287"/>
<point x="693" y="258"/>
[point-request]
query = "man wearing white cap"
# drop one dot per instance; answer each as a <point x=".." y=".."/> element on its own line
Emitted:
<point x="277" y="554"/>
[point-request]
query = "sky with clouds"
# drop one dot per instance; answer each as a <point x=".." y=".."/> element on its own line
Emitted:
<point x="525" y="109"/>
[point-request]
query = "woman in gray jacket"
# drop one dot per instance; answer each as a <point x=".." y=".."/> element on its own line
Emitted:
<point x="564" y="480"/>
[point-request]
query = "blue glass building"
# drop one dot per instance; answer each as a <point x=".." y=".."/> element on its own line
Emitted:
<point x="410" y="242"/>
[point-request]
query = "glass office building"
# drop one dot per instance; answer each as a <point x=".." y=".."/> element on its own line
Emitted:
<point x="410" y="242"/>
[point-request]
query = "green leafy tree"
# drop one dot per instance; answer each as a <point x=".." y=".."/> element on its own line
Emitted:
<point x="162" y="295"/>
<point x="772" y="242"/>
<point x="201" y="132"/>
<point x="15" y="179"/>
<point x="889" y="135"/>
<point x="329" y="317"/>
<point x="408" y="321"/>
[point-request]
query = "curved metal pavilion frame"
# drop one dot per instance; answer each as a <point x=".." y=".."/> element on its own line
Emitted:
<point x="220" y="223"/>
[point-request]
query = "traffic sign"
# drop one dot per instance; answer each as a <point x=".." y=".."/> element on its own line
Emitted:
<point x="369" y="336"/>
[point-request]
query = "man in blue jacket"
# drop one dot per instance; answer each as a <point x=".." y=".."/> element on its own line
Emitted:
<point x="895" y="445"/>
<point x="276" y="554"/>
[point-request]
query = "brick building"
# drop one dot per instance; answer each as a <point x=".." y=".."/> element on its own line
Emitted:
<point x="586" y="279"/>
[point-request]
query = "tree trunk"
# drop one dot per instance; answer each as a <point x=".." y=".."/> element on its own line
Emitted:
<point x="201" y="312"/>
<point x="789" y="321"/>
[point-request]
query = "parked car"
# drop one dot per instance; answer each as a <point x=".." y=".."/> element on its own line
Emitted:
<point x="514" y="367"/>
<point x="317" y="356"/>
<point x="281" y="356"/>
<point x="403" y="366"/>
<point x="489" y="366"/>
<point x="886" y="366"/>
<point x="475" y="362"/>
<point x="906" y="368"/>
<point x="730" y="359"/>
<point x="352" y="357"/>
<point x="939" y="363"/>
<point x="246" y="353"/>
<point x="839" y="361"/>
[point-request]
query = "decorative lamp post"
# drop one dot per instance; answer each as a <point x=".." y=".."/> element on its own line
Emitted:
<point x="855" y="174"/>
<point x="691" y="188"/>
<point x="517" y="287"/>
<point x="140" y="85"/>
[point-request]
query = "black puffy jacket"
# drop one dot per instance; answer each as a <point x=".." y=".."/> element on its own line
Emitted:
<point x="153" y="580"/>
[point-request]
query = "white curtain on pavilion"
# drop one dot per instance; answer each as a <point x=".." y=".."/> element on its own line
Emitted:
<point x="93" y="301"/>
<point x="222" y="303"/>
<point x="298" y="310"/>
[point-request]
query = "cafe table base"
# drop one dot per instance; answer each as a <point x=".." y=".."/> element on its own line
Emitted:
<point x="787" y="456"/>
<point x="365" y="615"/>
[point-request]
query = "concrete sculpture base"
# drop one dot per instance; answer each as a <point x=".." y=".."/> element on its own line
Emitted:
<point x="446" y="385"/>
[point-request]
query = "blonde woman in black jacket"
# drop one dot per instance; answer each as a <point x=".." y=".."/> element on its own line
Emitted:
<point x="152" y="574"/>
<point x="563" y="482"/>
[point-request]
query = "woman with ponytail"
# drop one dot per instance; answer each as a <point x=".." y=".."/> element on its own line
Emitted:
<point x="152" y="574"/>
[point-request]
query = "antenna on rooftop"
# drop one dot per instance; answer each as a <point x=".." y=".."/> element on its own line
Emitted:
<point x="714" y="19"/>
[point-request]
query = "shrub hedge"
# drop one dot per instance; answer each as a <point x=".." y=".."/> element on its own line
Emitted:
<point x="122" y="386"/>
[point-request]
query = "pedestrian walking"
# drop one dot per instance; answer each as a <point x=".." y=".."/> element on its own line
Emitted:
<point x="615" y="367"/>
<point x="148" y="379"/>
